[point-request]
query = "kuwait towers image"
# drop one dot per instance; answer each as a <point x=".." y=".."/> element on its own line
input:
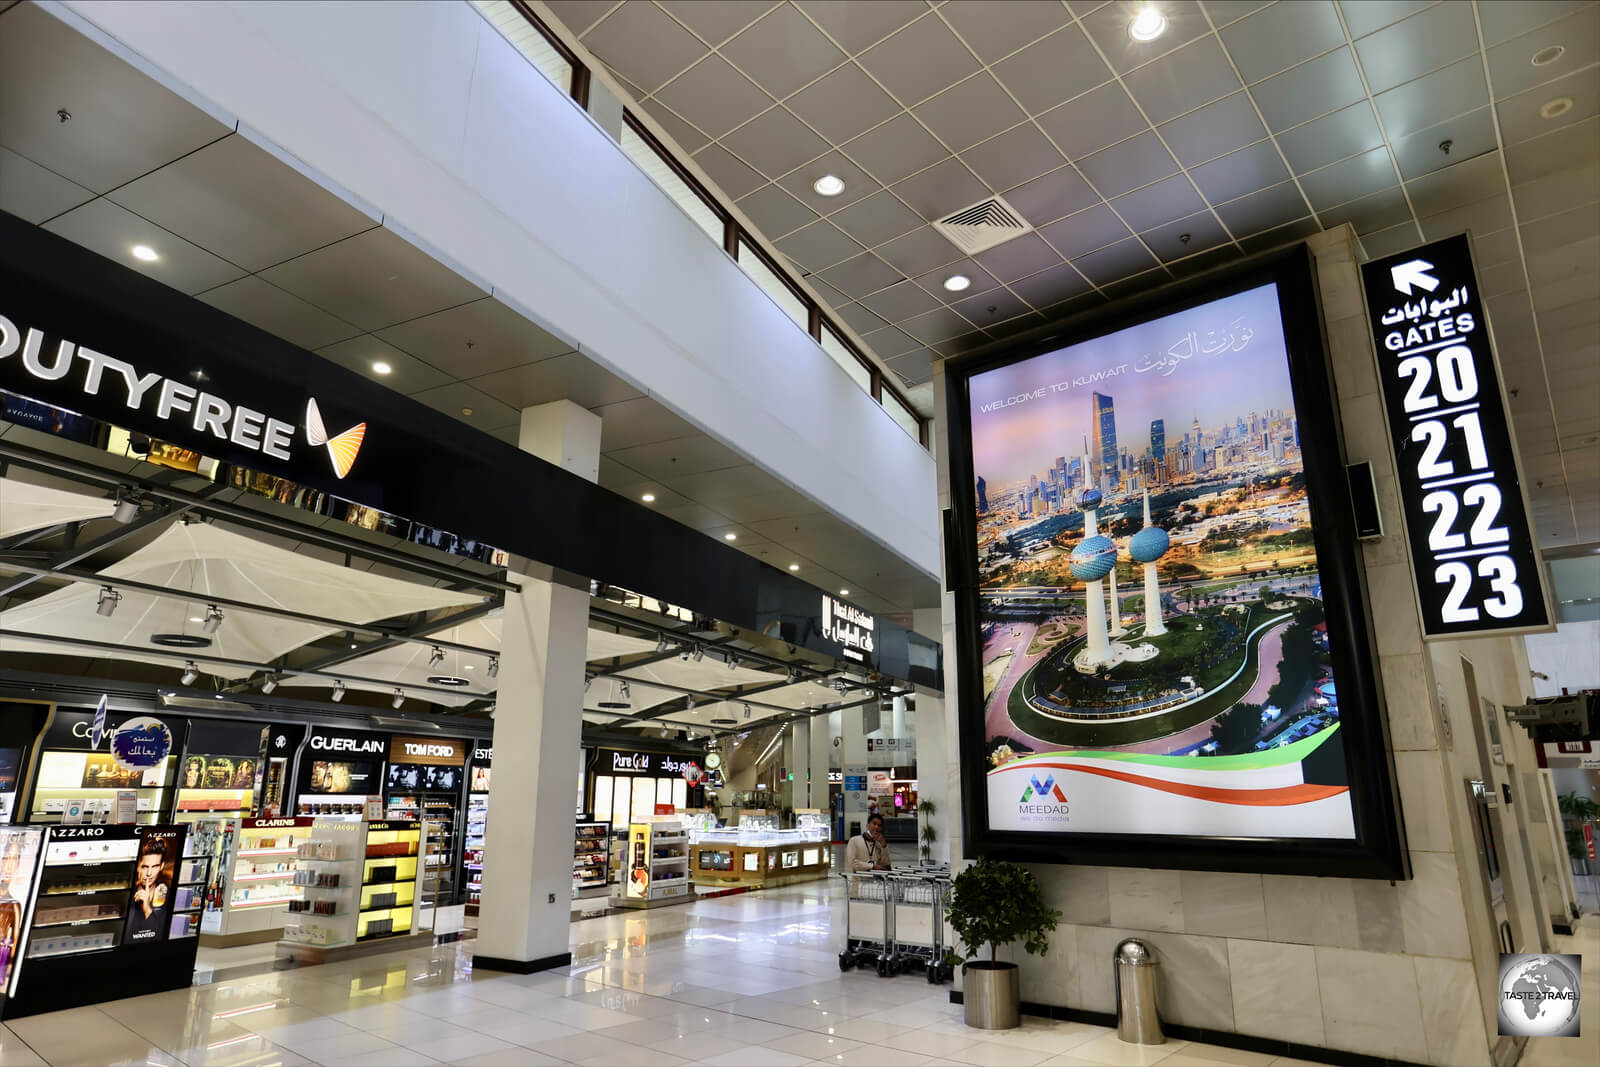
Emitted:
<point x="1147" y="546"/>
<point x="1092" y="560"/>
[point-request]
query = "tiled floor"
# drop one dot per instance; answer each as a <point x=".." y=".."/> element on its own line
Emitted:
<point x="742" y="981"/>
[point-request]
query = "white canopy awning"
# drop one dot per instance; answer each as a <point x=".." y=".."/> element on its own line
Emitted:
<point x="210" y="561"/>
<point x="31" y="507"/>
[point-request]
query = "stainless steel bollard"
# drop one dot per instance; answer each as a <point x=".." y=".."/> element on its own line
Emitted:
<point x="1135" y="967"/>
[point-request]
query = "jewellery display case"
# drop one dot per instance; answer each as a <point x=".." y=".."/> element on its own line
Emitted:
<point x="757" y="856"/>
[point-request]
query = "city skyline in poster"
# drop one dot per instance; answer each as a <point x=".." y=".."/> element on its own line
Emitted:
<point x="1167" y="670"/>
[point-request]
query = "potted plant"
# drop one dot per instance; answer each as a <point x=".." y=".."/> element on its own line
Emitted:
<point x="995" y="903"/>
<point x="928" y="809"/>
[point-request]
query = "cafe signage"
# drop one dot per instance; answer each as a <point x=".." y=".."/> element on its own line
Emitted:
<point x="1473" y="554"/>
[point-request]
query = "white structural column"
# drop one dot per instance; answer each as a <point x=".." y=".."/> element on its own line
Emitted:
<point x="821" y="750"/>
<point x="538" y="726"/>
<point x="853" y="763"/>
<point x="797" y="761"/>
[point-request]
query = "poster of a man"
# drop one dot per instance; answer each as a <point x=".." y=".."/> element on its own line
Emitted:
<point x="150" y="910"/>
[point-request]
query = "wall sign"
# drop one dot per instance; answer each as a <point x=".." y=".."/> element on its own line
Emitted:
<point x="1473" y="554"/>
<point x="345" y="743"/>
<point x="640" y="764"/>
<point x="436" y="750"/>
<point x="141" y="743"/>
<point x="849" y="628"/>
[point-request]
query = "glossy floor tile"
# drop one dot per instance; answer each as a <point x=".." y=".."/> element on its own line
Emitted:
<point x="741" y="981"/>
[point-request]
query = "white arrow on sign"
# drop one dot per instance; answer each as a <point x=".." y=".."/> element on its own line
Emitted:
<point x="1406" y="275"/>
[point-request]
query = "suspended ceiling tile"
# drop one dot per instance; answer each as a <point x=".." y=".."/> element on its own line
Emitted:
<point x="915" y="367"/>
<point x="935" y="326"/>
<point x="1093" y="121"/>
<point x="818" y="246"/>
<point x="845" y="103"/>
<point x="941" y="189"/>
<point x="1301" y="94"/>
<point x="783" y="51"/>
<point x="1018" y="258"/>
<point x="1447" y="92"/>
<point x="240" y="202"/>
<point x="753" y="507"/>
<point x="722" y="488"/>
<point x="1057" y="68"/>
<point x="1194" y="75"/>
<point x="1465" y="137"/>
<point x="34" y="193"/>
<point x="1019" y="155"/>
<point x="1129" y="165"/>
<point x="1371" y="213"/>
<point x="1106" y="265"/>
<point x="1349" y="180"/>
<point x="1511" y="67"/>
<point x="1164" y="201"/>
<point x="640" y="421"/>
<point x="864" y="274"/>
<point x="1052" y="196"/>
<point x="1340" y="135"/>
<point x="890" y="342"/>
<point x="1279" y="236"/>
<point x="476" y="338"/>
<point x="407" y="373"/>
<point x="1214" y="130"/>
<point x="123" y="124"/>
<point x="1416" y="45"/>
<point x="573" y="377"/>
<point x="775" y="143"/>
<point x="1520" y="119"/>
<point x="374" y="279"/>
<point x="1235" y="175"/>
<point x="687" y="137"/>
<point x="774" y="212"/>
<point x="1050" y="287"/>
<point x="878" y="218"/>
<point x="1468" y="182"/>
<point x="714" y="96"/>
<point x="996" y="28"/>
<point x="697" y="516"/>
<point x="644" y="44"/>
<point x="665" y="460"/>
<point x="1281" y="36"/>
<point x="579" y="15"/>
<point x="277" y="312"/>
<point x="859" y="26"/>
<point x="900" y="301"/>
<point x="971" y="269"/>
<point x="467" y="404"/>
<point x="1185" y="237"/>
<point x="859" y="319"/>
<point x="996" y="306"/>
<point x="919" y="60"/>
<point x="971" y="111"/>
<point x="731" y="175"/>
<point x="1369" y="16"/>
<point x="714" y="21"/>
<point x="112" y="231"/>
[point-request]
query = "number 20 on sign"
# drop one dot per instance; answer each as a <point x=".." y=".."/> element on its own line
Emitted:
<point x="1475" y="562"/>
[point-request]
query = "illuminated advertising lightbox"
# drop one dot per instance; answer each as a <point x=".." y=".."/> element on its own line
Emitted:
<point x="1165" y="650"/>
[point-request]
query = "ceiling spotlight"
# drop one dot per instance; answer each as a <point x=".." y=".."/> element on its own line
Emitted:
<point x="661" y="643"/>
<point x="588" y="679"/>
<point x="127" y="508"/>
<point x="107" y="603"/>
<point x="213" y="621"/>
<point x="380" y="367"/>
<point x="437" y="657"/>
<point x="699" y="653"/>
<point x="649" y="498"/>
<point x="747" y="711"/>
<point x="144" y="254"/>
<point x="730" y="537"/>
<point x="1148" y="24"/>
<point x="794" y="566"/>
<point x="394" y="701"/>
<point x="957" y="283"/>
<point x="828" y="185"/>
<point x="793" y="676"/>
<point x="1554" y="109"/>
<point x="622" y="688"/>
<point x="683" y="654"/>
<point x="190" y="672"/>
<point x="844" y="592"/>
<point x="733" y="662"/>
<point x="338" y="691"/>
<point x="494" y="666"/>
<point x="270" y="684"/>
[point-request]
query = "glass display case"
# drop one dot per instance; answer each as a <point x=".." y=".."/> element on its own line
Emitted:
<point x="754" y="853"/>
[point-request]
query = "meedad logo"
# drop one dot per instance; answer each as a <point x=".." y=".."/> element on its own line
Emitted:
<point x="371" y="746"/>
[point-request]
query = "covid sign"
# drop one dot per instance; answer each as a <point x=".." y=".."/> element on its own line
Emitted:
<point x="1472" y="550"/>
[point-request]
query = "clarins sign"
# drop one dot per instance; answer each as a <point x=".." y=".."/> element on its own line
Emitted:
<point x="438" y="750"/>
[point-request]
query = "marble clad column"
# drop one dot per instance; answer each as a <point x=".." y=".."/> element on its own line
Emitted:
<point x="854" y="761"/>
<point x="821" y="747"/>
<point x="527" y="877"/>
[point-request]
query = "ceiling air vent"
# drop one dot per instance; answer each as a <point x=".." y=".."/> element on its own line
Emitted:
<point x="983" y="225"/>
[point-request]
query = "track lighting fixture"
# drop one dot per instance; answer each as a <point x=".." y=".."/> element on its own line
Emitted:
<point x="623" y="689"/>
<point x="661" y="644"/>
<point x="494" y="666"/>
<point x="588" y="679"/>
<point x="699" y="653"/>
<point x="270" y="684"/>
<point x="190" y="672"/>
<point x="338" y="691"/>
<point x="684" y="654"/>
<point x="395" y="702"/>
<point x="213" y="621"/>
<point x="793" y="676"/>
<point x="437" y="657"/>
<point x="107" y="603"/>
<point x="127" y="508"/>
<point x="747" y="711"/>
<point x="733" y="662"/>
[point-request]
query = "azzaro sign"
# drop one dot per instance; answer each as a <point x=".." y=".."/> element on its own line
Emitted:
<point x="1474" y="558"/>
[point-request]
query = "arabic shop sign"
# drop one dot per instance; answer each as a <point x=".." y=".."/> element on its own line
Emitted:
<point x="141" y="743"/>
<point x="848" y="627"/>
<point x="1473" y="555"/>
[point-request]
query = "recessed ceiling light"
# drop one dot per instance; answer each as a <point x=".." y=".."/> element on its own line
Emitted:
<point x="957" y="282"/>
<point x="730" y="537"/>
<point x="794" y="566"/>
<point x="649" y="498"/>
<point x="466" y="411"/>
<point x="1554" y="109"/>
<point x="1148" y="24"/>
<point x="380" y="367"/>
<point x="196" y="618"/>
<point x="1546" y="56"/>
<point x="828" y="185"/>
<point x="844" y="592"/>
<point x="145" y="253"/>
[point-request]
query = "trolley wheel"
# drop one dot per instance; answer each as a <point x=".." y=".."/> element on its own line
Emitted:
<point x="845" y="962"/>
<point x="933" y="974"/>
<point x="883" y="969"/>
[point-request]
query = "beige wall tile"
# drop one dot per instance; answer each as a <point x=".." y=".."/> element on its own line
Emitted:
<point x="1422" y="799"/>
<point x="1395" y="624"/>
<point x="1080" y="892"/>
<point x="1378" y="921"/>
<point x="1452" y="1018"/>
<point x="1370" y="1003"/>
<point x="1311" y="911"/>
<point x="1223" y="905"/>
<point x="1431" y="909"/>
<point x="1409" y="703"/>
<point x="1192" y="986"/>
<point x="1145" y="900"/>
<point x="1275" y="991"/>
<point x="1350" y="351"/>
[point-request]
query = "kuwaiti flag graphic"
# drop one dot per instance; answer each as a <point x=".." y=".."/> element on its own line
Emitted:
<point x="1299" y="790"/>
<point x="343" y="449"/>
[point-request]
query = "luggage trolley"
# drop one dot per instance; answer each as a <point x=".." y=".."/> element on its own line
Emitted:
<point x="919" y="896"/>
<point x="869" y="922"/>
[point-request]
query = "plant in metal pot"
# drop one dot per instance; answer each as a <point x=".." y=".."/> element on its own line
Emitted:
<point x="994" y="903"/>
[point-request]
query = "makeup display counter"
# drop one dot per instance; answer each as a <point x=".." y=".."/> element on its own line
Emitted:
<point x="755" y="858"/>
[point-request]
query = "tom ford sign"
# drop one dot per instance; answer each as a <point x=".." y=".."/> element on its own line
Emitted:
<point x="439" y="750"/>
<point x="1472" y="549"/>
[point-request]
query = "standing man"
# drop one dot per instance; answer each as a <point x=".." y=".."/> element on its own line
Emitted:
<point x="868" y="851"/>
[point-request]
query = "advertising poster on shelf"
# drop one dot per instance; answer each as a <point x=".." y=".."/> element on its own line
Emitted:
<point x="218" y="772"/>
<point x="154" y="873"/>
<point x="19" y="861"/>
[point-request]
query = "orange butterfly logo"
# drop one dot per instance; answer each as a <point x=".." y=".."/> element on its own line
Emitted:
<point x="342" y="450"/>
